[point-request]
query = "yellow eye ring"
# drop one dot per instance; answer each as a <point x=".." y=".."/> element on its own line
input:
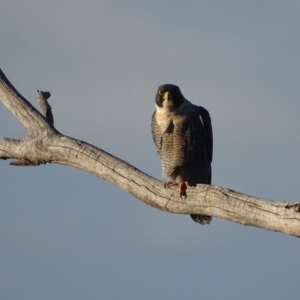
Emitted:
<point x="160" y="93"/>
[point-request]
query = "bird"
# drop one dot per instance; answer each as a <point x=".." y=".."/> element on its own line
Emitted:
<point x="183" y="136"/>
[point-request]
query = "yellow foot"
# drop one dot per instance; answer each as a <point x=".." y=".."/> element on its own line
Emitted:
<point x="182" y="187"/>
<point x="169" y="184"/>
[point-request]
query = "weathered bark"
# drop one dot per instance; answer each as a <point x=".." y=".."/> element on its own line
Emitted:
<point x="44" y="144"/>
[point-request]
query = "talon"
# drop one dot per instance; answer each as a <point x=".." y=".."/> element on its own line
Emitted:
<point x="183" y="196"/>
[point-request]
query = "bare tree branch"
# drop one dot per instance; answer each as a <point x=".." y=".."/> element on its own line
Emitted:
<point x="44" y="144"/>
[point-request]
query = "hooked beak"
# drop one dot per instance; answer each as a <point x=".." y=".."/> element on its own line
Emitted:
<point x="166" y="96"/>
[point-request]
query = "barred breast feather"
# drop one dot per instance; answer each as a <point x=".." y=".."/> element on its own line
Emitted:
<point x="182" y="145"/>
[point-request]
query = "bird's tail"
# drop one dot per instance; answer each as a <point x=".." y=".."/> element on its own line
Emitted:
<point x="201" y="219"/>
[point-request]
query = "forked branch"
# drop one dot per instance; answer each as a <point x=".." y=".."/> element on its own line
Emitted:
<point x="44" y="144"/>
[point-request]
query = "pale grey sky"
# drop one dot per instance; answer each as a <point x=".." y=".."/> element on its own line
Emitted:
<point x="65" y="234"/>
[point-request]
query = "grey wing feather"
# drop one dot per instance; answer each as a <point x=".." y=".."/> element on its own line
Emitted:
<point x="206" y="121"/>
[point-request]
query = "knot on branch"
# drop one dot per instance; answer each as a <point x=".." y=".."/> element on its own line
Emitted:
<point x="28" y="162"/>
<point x="294" y="206"/>
<point x="42" y="98"/>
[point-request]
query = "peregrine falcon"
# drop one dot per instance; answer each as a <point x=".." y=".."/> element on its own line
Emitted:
<point x="182" y="134"/>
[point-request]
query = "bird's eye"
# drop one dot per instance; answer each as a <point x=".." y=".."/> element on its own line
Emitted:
<point x="160" y="93"/>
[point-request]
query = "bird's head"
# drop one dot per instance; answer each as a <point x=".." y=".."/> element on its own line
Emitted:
<point x="169" y="96"/>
